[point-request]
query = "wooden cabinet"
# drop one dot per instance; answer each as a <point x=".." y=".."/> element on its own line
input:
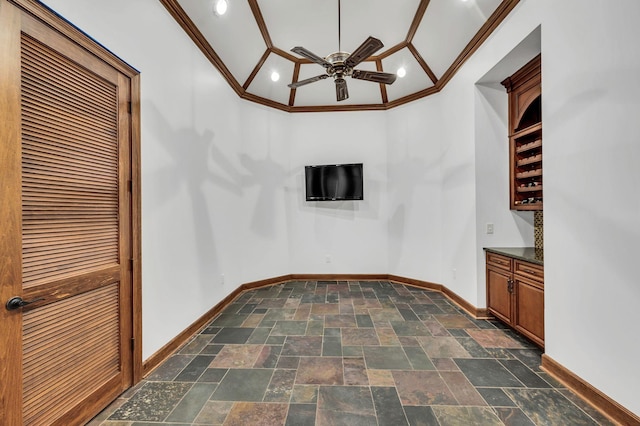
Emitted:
<point x="525" y="137"/>
<point x="515" y="294"/>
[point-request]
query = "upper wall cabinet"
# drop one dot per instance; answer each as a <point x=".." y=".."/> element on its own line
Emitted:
<point x="525" y="136"/>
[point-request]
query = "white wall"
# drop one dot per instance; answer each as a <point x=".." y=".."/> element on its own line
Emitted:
<point x="590" y="108"/>
<point x="414" y="154"/>
<point x="352" y="233"/>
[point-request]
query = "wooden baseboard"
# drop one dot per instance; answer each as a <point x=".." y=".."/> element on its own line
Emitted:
<point x="468" y="307"/>
<point x="340" y="277"/>
<point x="586" y="391"/>
<point x="167" y="350"/>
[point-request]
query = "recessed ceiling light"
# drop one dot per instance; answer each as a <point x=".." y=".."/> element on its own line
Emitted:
<point x="275" y="76"/>
<point x="401" y="72"/>
<point x="220" y="7"/>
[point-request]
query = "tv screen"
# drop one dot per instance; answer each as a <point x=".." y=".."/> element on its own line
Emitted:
<point x="333" y="182"/>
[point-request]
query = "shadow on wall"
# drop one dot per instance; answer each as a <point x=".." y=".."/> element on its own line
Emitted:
<point x="408" y="179"/>
<point x="271" y="178"/>
<point x="188" y="162"/>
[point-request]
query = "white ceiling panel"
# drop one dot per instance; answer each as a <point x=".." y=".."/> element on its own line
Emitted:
<point x="447" y="27"/>
<point x="415" y="80"/>
<point x="382" y="19"/>
<point x="263" y="86"/>
<point x="235" y="36"/>
<point x="309" y="23"/>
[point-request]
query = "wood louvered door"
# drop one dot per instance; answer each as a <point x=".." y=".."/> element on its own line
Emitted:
<point x="68" y="244"/>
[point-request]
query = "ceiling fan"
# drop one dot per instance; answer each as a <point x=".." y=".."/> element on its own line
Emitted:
<point x="341" y="64"/>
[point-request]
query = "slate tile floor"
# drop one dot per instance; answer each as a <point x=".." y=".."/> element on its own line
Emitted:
<point x="350" y="353"/>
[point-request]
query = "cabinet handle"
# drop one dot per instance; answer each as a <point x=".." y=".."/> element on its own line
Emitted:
<point x="529" y="271"/>
<point x="510" y="285"/>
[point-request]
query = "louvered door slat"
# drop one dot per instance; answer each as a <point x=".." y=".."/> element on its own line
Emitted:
<point x="54" y="140"/>
<point x="52" y="380"/>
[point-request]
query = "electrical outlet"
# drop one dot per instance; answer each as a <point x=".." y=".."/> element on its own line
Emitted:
<point x="489" y="228"/>
<point x="327" y="258"/>
<point x="221" y="278"/>
<point x="453" y="272"/>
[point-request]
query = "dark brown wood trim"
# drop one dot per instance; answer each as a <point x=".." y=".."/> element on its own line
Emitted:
<point x="286" y="55"/>
<point x="256" y="69"/>
<point x="189" y="27"/>
<point x="398" y="47"/>
<point x="11" y="214"/>
<point x="339" y="277"/>
<point x="136" y="226"/>
<point x="383" y="87"/>
<point x="264" y="101"/>
<point x="257" y="14"/>
<point x="338" y="108"/>
<point x="485" y="31"/>
<point x="422" y="8"/>
<point x="468" y="307"/>
<point x="422" y="62"/>
<point x="414" y="96"/>
<point x="294" y="78"/>
<point x="66" y="28"/>
<point x="167" y="350"/>
<point x="163" y="353"/>
<point x="586" y="391"/>
<point x="266" y="282"/>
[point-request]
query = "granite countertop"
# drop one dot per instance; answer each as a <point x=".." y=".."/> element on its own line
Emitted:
<point x="529" y="254"/>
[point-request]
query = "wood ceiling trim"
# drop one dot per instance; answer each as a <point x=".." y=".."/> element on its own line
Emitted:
<point x="286" y="55"/>
<point x="383" y="87"/>
<point x="264" y="101"/>
<point x="422" y="8"/>
<point x="294" y="78"/>
<point x="422" y="63"/>
<point x="395" y="49"/>
<point x="257" y="14"/>
<point x="44" y="13"/>
<point x="485" y="31"/>
<point x="256" y="69"/>
<point x="198" y="38"/>
<point x="339" y="108"/>
<point x="189" y="27"/>
<point x="413" y="97"/>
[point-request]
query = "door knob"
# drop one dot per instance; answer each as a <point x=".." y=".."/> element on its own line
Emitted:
<point x="17" y="302"/>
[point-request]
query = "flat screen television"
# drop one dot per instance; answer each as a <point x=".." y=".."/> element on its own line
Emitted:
<point x="334" y="182"/>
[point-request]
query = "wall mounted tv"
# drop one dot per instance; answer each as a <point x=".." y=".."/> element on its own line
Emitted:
<point x="334" y="182"/>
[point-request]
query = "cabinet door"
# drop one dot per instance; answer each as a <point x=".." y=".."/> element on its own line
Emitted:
<point x="499" y="300"/>
<point x="529" y="310"/>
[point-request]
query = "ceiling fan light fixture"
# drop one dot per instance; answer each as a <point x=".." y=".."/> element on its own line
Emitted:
<point x="220" y="7"/>
<point x="275" y="76"/>
<point x="401" y="72"/>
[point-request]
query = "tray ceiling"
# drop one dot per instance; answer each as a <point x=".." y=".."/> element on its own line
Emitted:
<point x="430" y="39"/>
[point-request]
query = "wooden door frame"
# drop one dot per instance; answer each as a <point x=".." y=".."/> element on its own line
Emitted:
<point x="66" y="29"/>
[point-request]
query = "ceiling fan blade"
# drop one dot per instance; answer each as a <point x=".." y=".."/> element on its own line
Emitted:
<point x="310" y="56"/>
<point x="341" y="89"/>
<point x="307" y="81"/>
<point x="375" y="76"/>
<point x="366" y="49"/>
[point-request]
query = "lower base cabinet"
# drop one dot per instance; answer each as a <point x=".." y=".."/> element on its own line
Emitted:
<point x="515" y="295"/>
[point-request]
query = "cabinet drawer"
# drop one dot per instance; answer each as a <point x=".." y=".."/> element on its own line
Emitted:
<point x="499" y="261"/>
<point x="529" y="270"/>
